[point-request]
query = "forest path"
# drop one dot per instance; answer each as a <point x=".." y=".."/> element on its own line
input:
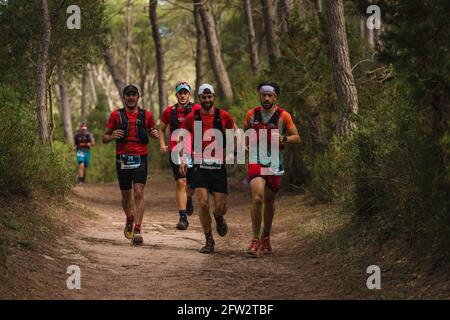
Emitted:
<point x="168" y="264"/>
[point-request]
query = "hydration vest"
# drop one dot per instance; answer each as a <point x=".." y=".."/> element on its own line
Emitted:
<point x="217" y="122"/>
<point x="174" y="117"/>
<point x="271" y="124"/>
<point x="141" y="127"/>
<point x="258" y="123"/>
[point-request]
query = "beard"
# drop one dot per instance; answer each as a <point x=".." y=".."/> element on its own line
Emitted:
<point x="267" y="105"/>
<point x="131" y="105"/>
<point x="207" y="106"/>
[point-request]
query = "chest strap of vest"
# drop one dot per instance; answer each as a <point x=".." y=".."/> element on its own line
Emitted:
<point x="273" y="121"/>
<point x="141" y="127"/>
<point x="174" y="115"/>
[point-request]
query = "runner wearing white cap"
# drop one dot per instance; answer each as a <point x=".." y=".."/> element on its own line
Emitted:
<point x="209" y="176"/>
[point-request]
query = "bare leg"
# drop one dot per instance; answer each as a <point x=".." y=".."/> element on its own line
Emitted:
<point x="127" y="202"/>
<point x="220" y="203"/>
<point x="138" y="191"/>
<point x="269" y="211"/>
<point x="81" y="170"/>
<point x="203" y="200"/>
<point x="181" y="195"/>
<point x="257" y="188"/>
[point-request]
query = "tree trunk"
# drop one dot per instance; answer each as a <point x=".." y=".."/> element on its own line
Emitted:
<point x="84" y="93"/>
<point x="215" y="55"/>
<point x="159" y="56"/>
<point x="151" y="88"/>
<point x="283" y="8"/>
<point x="253" y="48"/>
<point x="128" y="41"/>
<point x="269" y="25"/>
<point x="347" y="97"/>
<point x="200" y="35"/>
<point x="318" y="4"/>
<point x="65" y="107"/>
<point x="113" y="70"/>
<point x="92" y="84"/>
<point x="41" y="106"/>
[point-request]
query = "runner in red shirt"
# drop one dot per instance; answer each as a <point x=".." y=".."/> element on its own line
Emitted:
<point x="207" y="176"/>
<point x="131" y="127"/>
<point x="173" y="118"/>
<point x="264" y="186"/>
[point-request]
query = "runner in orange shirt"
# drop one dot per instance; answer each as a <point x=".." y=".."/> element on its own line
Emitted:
<point x="264" y="181"/>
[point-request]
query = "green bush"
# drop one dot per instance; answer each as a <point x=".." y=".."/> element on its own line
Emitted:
<point x="27" y="166"/>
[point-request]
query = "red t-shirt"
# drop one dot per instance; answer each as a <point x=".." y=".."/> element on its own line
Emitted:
<point x="207" y="123"/>
<point x="167" y="115"/>
<point x="130" y="147"/>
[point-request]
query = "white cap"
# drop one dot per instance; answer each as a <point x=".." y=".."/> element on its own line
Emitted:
<point x="205" y="86"/>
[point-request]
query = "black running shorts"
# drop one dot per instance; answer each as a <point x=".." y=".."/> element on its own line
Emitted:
<point x="129" y="176"/>
<point x="213" y="180"/>
<point x="177" y="175"/>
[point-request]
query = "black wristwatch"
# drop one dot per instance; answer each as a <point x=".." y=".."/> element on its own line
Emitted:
<point x="285" y="139"/>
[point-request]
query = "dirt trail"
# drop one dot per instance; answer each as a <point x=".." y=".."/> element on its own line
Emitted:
<point x="168" y="265"/>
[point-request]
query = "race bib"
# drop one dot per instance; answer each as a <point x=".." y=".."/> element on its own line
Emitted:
<point x="210" y="164"/>
<point x="80" y="154"/>
<point x="129" y="162"/>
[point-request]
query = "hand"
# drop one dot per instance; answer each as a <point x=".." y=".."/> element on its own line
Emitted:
<point x="164" y="148"/>
<point x="117" y="134"/>
<point x="88" y="144"/>
<point x="154" y="133"/>
<point x="277" y="136"/>
<point x="183" y="169"/>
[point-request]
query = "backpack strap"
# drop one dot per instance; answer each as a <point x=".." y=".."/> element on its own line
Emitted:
<point x="141" y="127"/>
<point x="257" y="116"/>
<point x="173" y="118"/>
<point x="187" y="109"/>
<point x="123" y="125"/>
<point x="197" y="116"/>
<point x="217" y="121"/>
<point x="275" y="118"/>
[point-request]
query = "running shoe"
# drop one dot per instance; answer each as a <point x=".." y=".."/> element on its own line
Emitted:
<point x="137" y="238"/>
<point x="182" y="224"/>
<point x="266" y="247"/>
<point x="221" y="225"/>
<point x="254" y="247"/>
<point x="209" y="246"/>
<point x="128" y="232"/>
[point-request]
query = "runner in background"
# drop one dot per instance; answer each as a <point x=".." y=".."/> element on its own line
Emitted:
<point x="83" y="142"/>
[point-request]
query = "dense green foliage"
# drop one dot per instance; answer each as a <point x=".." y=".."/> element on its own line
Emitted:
<point x="392" y="172"/>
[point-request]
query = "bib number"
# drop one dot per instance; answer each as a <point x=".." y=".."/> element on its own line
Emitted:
<point x="80" y="154"/>
<point x="210" y="165"/>
<point x="129" y="162"/>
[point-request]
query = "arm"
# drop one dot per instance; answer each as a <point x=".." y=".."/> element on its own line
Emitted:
<point x="291" y="131"/>
<point x="110" y="135"/>
<point x="162" y="137"/>
<point x="154" y="134"/>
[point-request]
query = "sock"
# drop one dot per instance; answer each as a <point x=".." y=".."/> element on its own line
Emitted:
<point x="137" y="228"/>
<point x="183" y="214"/>
<point x="209" y="236"/>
